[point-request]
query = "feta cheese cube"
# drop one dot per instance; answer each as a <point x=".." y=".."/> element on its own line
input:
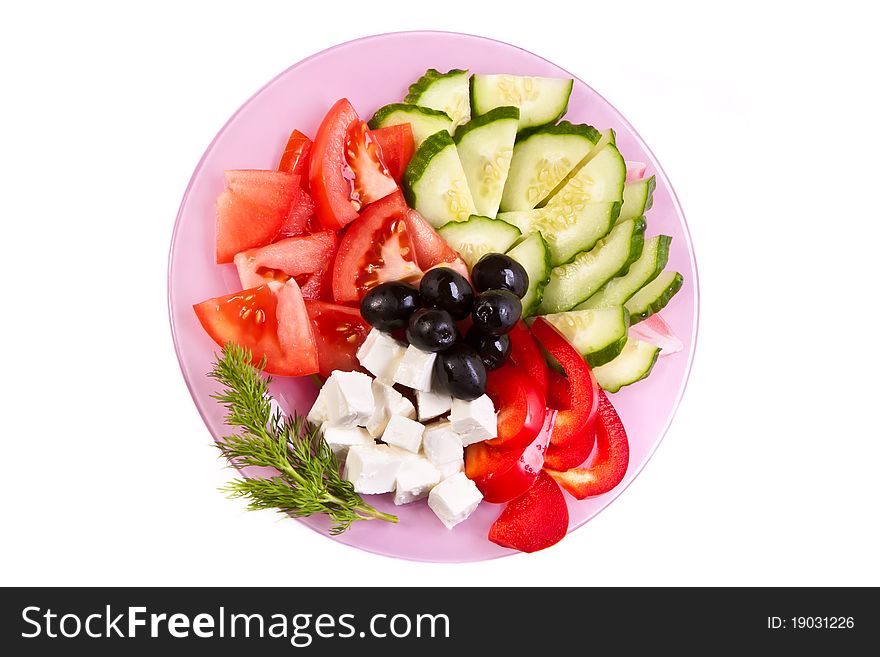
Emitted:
<point x="340" y="439"/>
<point x="451" y="468"/>
<point x="433" y="403"/>
<point x="318" y="413"/>
<point x="372" y="469"/>
<point x="404" y="433"/>
<point x="441" y="444"/>
<point x="388" y="402"/>
<point x="475" y="420"/>
<point x="349" y="398"/>
<point x="415" y="479"/>
<point x="380" y="354"/>
<point x="454" y="499"/>
<point x="416" y="369"/>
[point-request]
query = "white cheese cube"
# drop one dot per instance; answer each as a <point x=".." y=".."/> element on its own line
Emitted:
<point x="372" y="469"/>
<point x="404" y="433"/>
<point x="416" y="369"/>
<point x="349" y="398"/>
<point x="474" y="420"/>
<point x="388" y="402"/>
<point x="433" y="403"/>
<point x="340" y="439"/>
<point x="441" y="444"/>
<point x="454" y="499"/>
<point x="380" y="354"/>
<point x="415" y="479"/>
<point x="451" y="468"/>
<point x="318" y="413"/>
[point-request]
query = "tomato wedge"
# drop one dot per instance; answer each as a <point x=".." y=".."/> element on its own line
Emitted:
<point x="521" y="406"/>
<point x="526" y="355"/>
<point x="611" y="460"/>
<point x="571" y="424"/>
<point x="295" y="158"/>
<point x="376" y="248"/>
<point x="397" y="145"/>
<point x="345" y="169"/>
<point x="504" y="473"/>
<point x="535" y="520"/>
<point x="302" y="210"/>
<point x="339" y="331"/>
<point x="269" y="320"/>
<point x="294" y="257"/>
<point x="431" y="249"/>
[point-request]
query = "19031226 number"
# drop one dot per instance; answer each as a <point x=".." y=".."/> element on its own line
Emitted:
<point x="822" y="622"/>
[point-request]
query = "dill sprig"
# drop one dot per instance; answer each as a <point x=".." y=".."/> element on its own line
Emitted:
<point x="308" y="480"/>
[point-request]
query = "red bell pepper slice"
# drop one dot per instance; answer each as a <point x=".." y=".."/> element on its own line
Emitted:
<point x="520" y="403"/>
<point x="610" y="462"/>
<point x="535" y="520"/>
<point x="558" y="391"/>
<point x="573" y="423"/>
<point x="573" y="454"/>
<point x="526" y="355"/>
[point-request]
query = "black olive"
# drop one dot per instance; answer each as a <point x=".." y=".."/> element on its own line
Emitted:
<point x="447" y="289"/>
<point x="493" y="349"/>
<point x="463" y="372"/>
<point x="388" y="306"/>
<point x="496" y="311"/>
<point x="431" y="329"/>
<point x="496" y="271"/>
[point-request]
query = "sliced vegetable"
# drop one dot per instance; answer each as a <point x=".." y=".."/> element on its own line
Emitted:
<point x="578" y="280"/>
<point x="540" y="100"/>
<point x="505" y="473"/>
<point x="598" y="334"/>
<point x="542" y="157"/>
<point x="299" y="217"/>
<point x="520" y="404"/>
<point x="638" y="198"/>
<point x="608" y="468"/>
<point x="657" y="332"/>
<point x="526" y="354"/>
<point x="397" y="145"/>
<point x="633" y="364"/>
<point x="606" y="137"/>
<point x="339" y="332"/>
<point x="600" y="179"/>
<point x="478" y="236"/>
<point x="578" y="418"/>
<point x="573" y="454"/>
<point x="568" y="230"/>
<point x="295" y="158"/>
<point x="294" y="257"/>
<point x="448" y="92"/>
<point x="654" y="296"/>
<point x="372" y="180"/>
<point x="431" y="249"/>
<point x="534" y="255"/>
<point x="377" y="247"/>
<point x="485" y="146"/>
<point x="635" y="171"/>
<point x="269" y="320"/>
<point x="534" y="521"/>
<point x="435" y="183"/>
<point x="423" y="121"/>
<point x="618" y="291"/>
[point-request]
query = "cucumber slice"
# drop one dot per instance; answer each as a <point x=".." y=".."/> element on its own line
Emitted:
<point x="582" y="277"/>
<point x="638" y="197"/>
<point x="434" y="183"/>
<point x="534" y="255"/>
<point x="654" y="296"/>
<point x="478" y="236"/>
<point x="448" y="92"/>
<point x="485" y="146"/>
<point x="542" y="157"/>
<point x="618" y="290"/>
<point x="540" y="100"/>
<point x="424" y="121"/>
<point x="607" y="137"/>
<point x="633" y="364"/>
<point x="567" y="231"/>
<point x="600" y="179"/>
<point x="598" y="334"/>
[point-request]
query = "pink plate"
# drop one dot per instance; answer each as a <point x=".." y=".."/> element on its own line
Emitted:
<point x="372" y="72"/>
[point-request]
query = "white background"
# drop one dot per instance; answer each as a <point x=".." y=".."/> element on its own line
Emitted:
<point x="765" y="118"/>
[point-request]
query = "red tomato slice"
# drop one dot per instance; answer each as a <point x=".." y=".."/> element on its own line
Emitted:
<point x="376" y="248"/>
<point x="505" y="473"/>
<point x="302" y="210"/>
<point x="269" y="320"/>
<point x="345" y="170"/>
<point x="295" y="158"/>
<point x="294" y="257"/>
<point x="242" y="225"/>
<point x="397" y="145"/>
<point x="339" y="331"/>
<point x="274" y="189"/>
<point x="431" y="249"/>
<point x="521" y="406"/>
